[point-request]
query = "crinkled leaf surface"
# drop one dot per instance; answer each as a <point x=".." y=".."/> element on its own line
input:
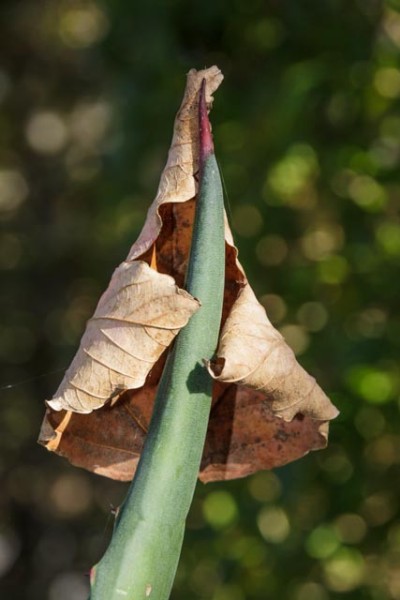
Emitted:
<point x="267" y="410"/>
<point x="135" y="320"/>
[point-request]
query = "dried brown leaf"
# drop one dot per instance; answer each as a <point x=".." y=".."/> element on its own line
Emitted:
<point x="266" y="409"/>
<point x="245" y="436"/>
<point x="142" y="310"/>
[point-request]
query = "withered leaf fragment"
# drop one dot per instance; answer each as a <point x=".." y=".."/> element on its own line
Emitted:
<point x="137" y="317"/>
<point x="267" y="410"/>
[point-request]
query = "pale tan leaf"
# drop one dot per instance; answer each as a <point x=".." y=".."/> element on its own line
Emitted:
<point x="178" y="180"/>
<point x="135" y="320"/>
<point x="142" y="310"/>
<point x="252" y="352"/>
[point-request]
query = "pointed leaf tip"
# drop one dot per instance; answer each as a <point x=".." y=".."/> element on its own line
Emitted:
<point x="206" y="141"/>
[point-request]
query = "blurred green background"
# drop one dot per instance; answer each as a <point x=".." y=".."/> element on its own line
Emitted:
<point x="307" y="130"/>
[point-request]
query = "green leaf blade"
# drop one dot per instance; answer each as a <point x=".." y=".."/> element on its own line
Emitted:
<point x="143" y="554"/>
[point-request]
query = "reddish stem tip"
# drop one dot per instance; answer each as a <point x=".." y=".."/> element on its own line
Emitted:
<point x="206" y="141"/>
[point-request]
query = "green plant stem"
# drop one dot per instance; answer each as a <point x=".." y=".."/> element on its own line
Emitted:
<point x="143" y="554"/>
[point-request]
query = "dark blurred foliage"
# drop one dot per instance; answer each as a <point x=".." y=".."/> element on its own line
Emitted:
<point x="307" y="129"/>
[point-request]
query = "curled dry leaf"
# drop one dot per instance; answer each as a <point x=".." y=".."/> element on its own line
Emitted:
<point x="135" y="320"/>
<point x="266" y="411"/>
<point x="253" y="353"/>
